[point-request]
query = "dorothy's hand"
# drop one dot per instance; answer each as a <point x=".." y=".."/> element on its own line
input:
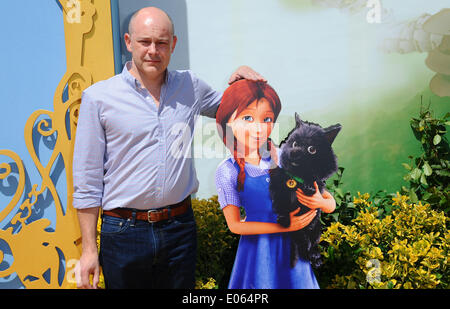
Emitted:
<point x="324" y="201"/>
<point x="299" y="222"/>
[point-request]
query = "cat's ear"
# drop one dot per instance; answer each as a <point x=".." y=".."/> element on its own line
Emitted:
<point x="332" y="131"/>
<point x="298" y="121"/>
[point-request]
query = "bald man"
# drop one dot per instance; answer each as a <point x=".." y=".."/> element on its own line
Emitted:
<point x="132" y="160"/>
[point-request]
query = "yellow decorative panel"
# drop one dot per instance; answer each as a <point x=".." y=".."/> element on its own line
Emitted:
<point x="37" y="253"/>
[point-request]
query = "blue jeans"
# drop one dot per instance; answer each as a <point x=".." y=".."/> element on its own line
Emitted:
<point x="140" y="255"/>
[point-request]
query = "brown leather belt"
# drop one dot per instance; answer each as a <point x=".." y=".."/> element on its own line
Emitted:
<point x="152" y="215"/>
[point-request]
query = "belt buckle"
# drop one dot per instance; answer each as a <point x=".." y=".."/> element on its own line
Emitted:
<point x="149" y="213"/>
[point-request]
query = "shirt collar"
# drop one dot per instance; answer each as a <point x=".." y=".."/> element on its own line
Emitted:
<point x="130" y="79"/>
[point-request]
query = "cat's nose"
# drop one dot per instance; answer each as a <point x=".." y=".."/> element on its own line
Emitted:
<point x="296" y="152"/>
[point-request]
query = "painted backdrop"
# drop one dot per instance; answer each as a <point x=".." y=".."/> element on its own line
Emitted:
<point x="367" y="64"/>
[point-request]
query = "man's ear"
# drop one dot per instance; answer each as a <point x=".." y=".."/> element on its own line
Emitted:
<point x="127" y="38"/>
<point x="174" y="42"/>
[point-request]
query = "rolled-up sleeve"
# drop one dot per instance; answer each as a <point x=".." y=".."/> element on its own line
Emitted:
<point x="88" y="159"/>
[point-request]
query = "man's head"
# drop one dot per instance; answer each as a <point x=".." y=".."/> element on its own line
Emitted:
<point x="151" y="41"/>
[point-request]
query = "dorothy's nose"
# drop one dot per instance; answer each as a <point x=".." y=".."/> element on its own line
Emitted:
<point x="257" y="127"/>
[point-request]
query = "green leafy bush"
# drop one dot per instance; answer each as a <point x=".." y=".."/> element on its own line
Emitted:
<point x="394" y="241"/>
<point x="429" y="174"/>
<point x="346" y="210"/>
<point x="406" y="249"/>
<point x="216" y="245"/>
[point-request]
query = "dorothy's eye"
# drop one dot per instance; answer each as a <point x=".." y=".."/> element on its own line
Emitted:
<point x="294" y="144"/>
<point x="247" y="118"/>
<point x="268" y="119"/>
<point x="312" y="149"/>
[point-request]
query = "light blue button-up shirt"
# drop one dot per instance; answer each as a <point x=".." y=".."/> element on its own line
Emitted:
<point x="130" y="153"/>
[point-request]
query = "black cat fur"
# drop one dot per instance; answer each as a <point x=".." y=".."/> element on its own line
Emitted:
<point x="297" y="158"/>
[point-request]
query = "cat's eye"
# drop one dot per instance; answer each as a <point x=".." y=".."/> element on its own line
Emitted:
<point x="312" y="149"/>
<point x="294" y="144"/>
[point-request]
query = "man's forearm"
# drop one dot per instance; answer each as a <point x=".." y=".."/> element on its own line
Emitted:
<point x="88" y="226"/>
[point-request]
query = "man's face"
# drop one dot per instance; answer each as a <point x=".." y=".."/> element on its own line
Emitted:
<point x="151" y="44"/>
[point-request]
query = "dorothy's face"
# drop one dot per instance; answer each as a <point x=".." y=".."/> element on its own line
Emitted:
<point x="253" y="126"/>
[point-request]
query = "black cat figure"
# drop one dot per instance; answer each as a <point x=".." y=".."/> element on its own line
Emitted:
<point x="306" y="157"/>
